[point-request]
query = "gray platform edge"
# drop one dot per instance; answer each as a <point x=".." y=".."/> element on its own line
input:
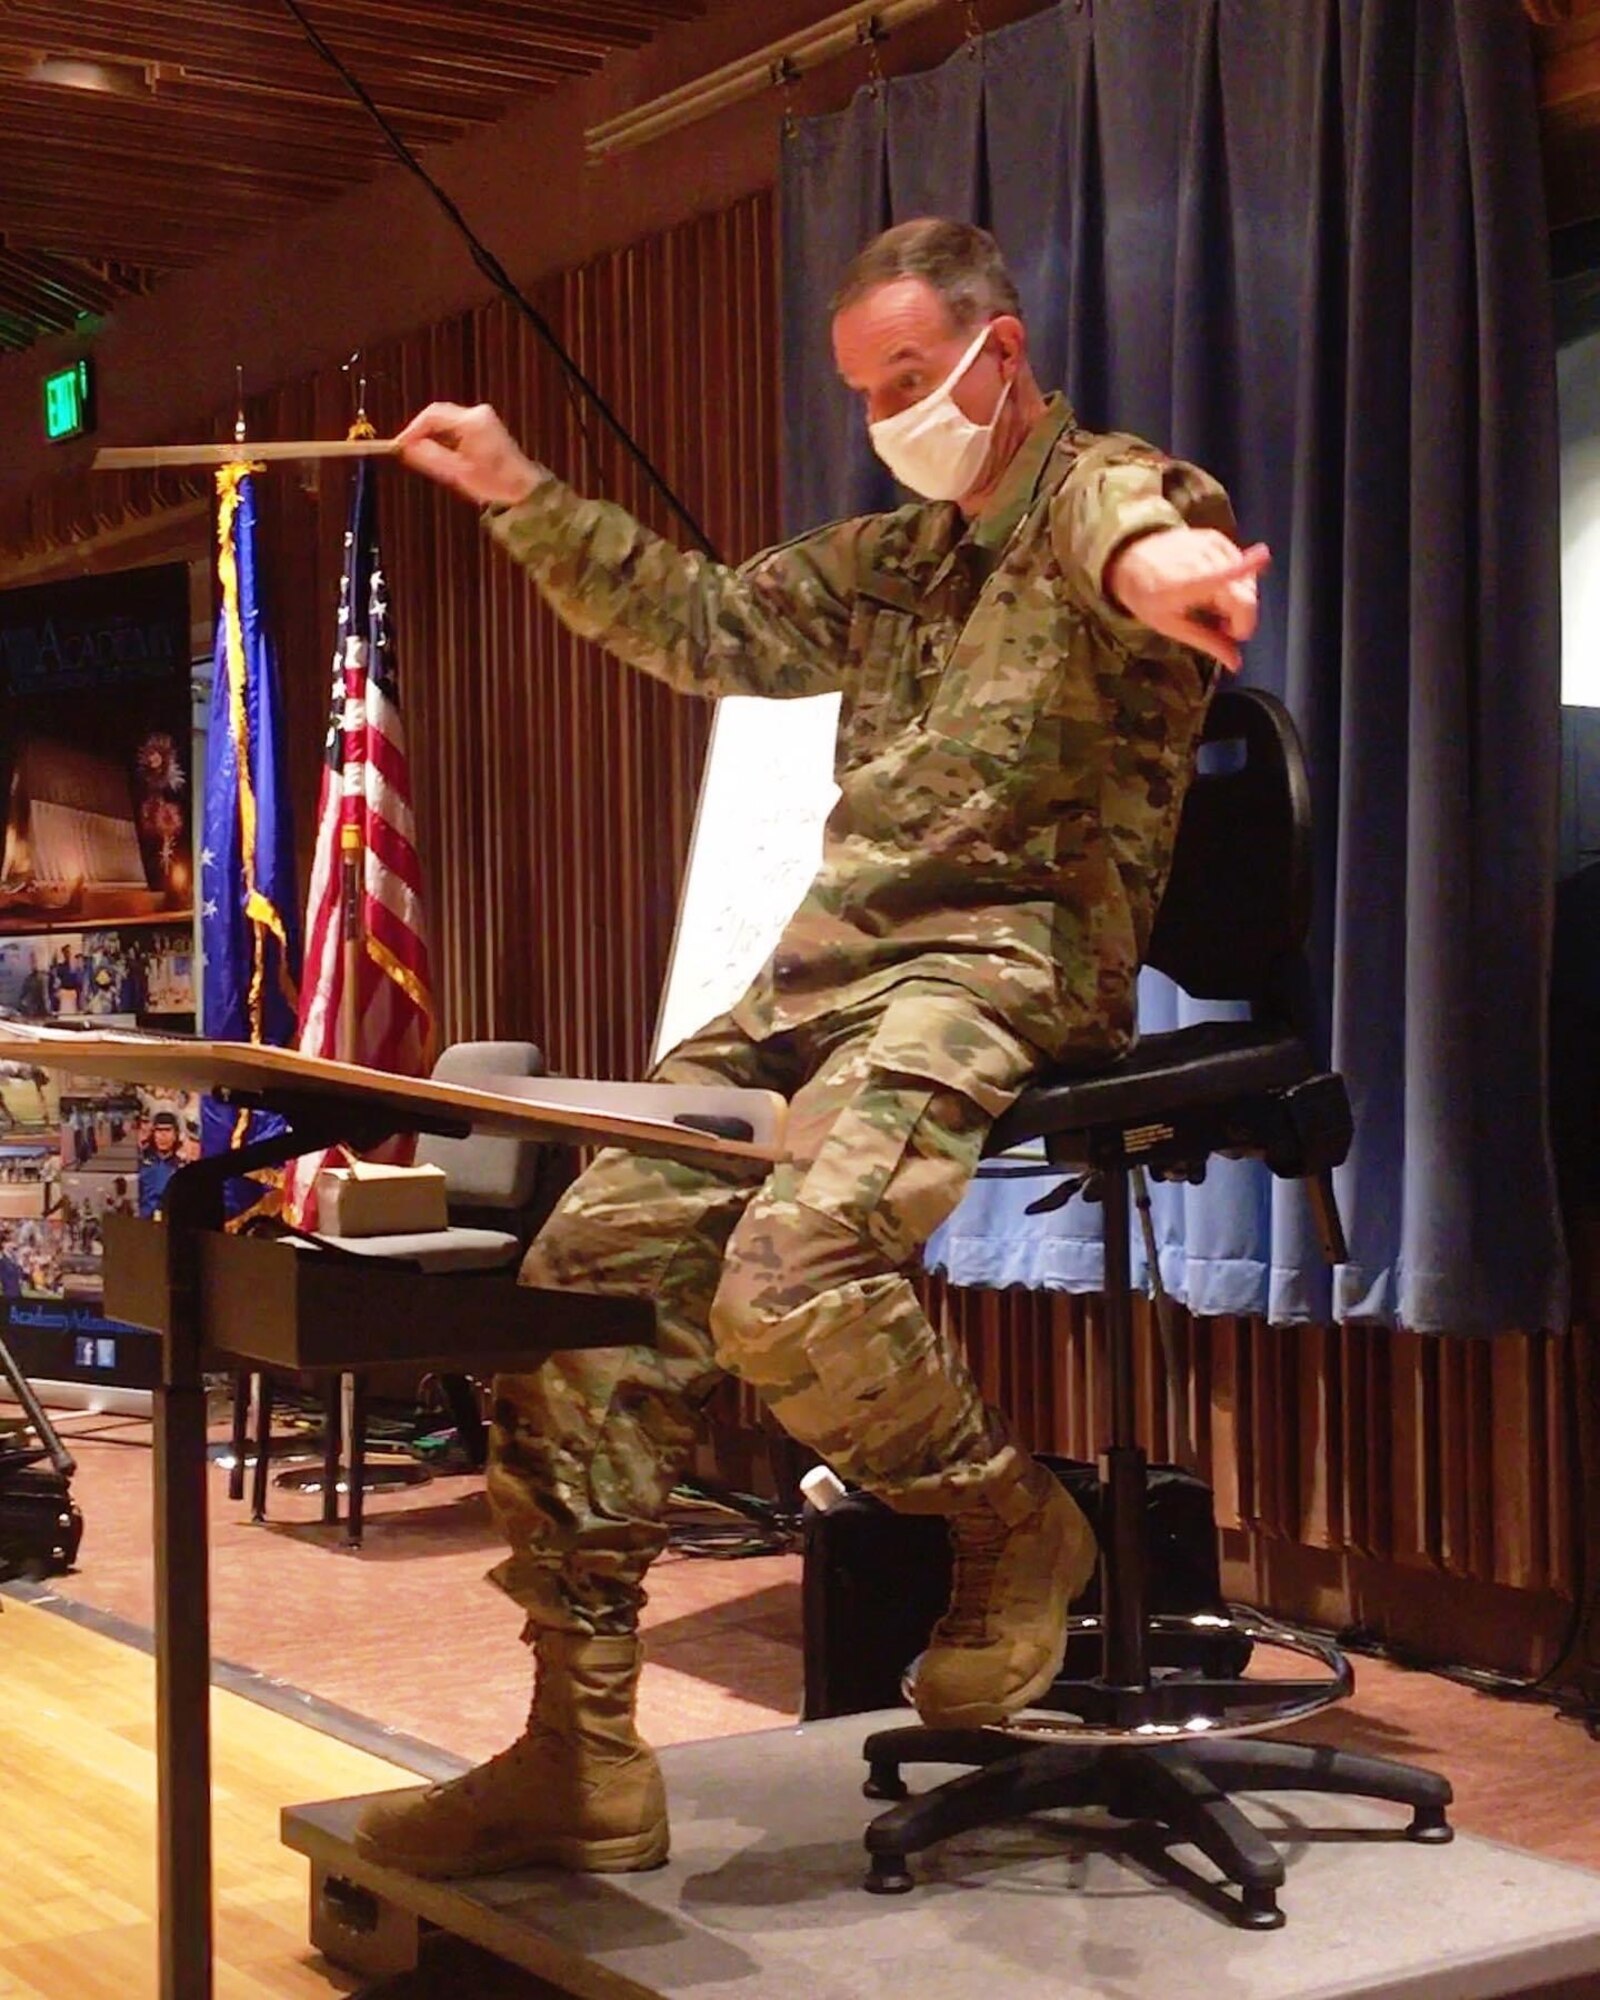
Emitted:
<point x="452" y="1907"/>
<point x="1519" y="1972"/>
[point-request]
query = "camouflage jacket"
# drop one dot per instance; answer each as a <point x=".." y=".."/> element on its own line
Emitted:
<point x="1013" y="749"/>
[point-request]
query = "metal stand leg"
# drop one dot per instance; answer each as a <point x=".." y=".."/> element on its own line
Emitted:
<point x="263" y="1464"/>
<point x="332" y="1445"/>
<point x="461" y="1401"/>
<point x="1122" y="1471"/>
<point x="354" y="1399"/>
<point x="243" y="1387"/>
<point x="182" y="1592"/>
<point x="193" y="1204"/>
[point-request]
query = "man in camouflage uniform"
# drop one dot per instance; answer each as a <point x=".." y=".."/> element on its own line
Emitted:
<point x="1024" y="666"/>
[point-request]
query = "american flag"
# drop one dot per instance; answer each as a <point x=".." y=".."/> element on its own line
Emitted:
<point x="366" y="786"/>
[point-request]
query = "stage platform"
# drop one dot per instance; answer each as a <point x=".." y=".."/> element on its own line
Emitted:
<point x="762" y="1897"/>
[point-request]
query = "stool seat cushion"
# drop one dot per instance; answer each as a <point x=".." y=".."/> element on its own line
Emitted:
<point x="1210" y="1063"/>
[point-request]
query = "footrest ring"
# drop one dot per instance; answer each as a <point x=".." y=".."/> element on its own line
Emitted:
<point x="1177" y="1706"/>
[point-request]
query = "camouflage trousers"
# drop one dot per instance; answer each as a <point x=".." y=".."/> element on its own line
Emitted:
<point x="792" y="1279"/>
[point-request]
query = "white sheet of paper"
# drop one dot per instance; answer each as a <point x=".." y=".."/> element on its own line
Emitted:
<point x="765" y="795"/>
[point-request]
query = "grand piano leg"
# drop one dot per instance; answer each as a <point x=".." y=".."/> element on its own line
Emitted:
<point x="182" y="1593"/>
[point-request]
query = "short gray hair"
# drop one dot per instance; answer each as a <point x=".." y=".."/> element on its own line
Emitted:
<point x="961" y="262"/>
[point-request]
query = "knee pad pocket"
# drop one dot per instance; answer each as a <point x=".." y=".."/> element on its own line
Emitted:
<point x="887" y="1405"/>
<point x="861" y="1166"/>
<point x="899" y="1153"/>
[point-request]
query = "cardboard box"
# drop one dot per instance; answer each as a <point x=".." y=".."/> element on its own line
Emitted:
<point x="365" y="1199"/>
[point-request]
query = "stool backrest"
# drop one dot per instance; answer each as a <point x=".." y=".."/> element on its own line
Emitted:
<point x="1237" y="906"/>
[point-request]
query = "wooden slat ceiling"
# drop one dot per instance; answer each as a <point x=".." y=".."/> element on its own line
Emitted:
<point x="1568" y="38"/>
<point x="213" y="119"/>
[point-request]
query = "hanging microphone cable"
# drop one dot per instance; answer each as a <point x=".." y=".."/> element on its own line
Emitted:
<point x="578" y="385"/>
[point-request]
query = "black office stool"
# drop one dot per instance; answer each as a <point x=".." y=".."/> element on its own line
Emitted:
<point x="1164" y="1750"/>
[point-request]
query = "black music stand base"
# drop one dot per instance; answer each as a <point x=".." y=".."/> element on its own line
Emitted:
<point x="1172" y="1795"/>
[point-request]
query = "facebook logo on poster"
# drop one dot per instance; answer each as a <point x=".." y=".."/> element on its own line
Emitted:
<point x="89" y="1353"/>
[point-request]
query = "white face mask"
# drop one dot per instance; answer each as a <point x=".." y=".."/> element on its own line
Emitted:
<point x="934" y="447"/>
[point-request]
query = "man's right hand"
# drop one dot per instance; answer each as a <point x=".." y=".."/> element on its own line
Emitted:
<point x="471" y="451"/>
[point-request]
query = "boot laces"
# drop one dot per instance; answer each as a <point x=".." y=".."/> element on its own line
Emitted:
<point x="483" y="1777"/>
<point x="979" y="1539"/>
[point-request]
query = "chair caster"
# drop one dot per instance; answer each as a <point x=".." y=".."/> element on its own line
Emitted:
<point x="1430" y="1827"/>
<point x="888" y="1876"/>
<point x="1258" y="1911"/>
<point x="883" y="1781"/>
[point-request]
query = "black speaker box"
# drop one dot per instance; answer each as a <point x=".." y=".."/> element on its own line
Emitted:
<point x="874" y="1582"/>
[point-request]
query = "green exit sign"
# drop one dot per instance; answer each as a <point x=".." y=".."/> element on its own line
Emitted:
<point x="67" y="412"/>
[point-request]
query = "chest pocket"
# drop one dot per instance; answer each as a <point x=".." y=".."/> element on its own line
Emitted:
<point x="894" y="653"/>
<point x="1006" y="667"/>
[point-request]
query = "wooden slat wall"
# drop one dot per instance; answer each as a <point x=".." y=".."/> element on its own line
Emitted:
<point x="555" y="794"/>
<point x="1434" y="1453"/>
<point x="1425" y="1489"/>
<point x="555" y="788"/>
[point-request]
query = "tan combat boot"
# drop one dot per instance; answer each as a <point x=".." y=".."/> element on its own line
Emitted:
<point x="1023" y="1551"/>
<point x="578" y="1789"/>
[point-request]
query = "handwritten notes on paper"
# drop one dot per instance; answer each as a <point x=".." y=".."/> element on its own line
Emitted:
<point x="767" y="790"/>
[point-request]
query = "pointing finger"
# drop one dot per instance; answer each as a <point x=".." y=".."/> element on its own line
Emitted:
<point x="1249" y="563"/>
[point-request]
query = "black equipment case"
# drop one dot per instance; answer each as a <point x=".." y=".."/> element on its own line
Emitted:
<point x="40" y="1525"/>
<point x="874" y="1582"/>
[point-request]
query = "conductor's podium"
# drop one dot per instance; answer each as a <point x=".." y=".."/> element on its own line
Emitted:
<point x="215" y="1297"/>
<point x="762" y="1898"/>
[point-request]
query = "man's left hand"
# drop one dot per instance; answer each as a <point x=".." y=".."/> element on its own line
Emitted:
<point x="1193" y="585"/>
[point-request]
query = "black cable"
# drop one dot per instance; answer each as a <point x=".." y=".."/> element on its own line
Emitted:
<point x="712" y="1520"/>
<point x="1579" y="1704"/>
<point x="491" y="267"/>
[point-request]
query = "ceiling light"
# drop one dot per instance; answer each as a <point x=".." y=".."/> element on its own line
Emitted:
<point x="77" y="73"/>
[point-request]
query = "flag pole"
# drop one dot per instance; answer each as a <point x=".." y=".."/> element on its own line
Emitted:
<point x="350" y="930"/>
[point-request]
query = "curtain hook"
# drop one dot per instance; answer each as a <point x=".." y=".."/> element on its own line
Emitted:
<point x="785" y="75"/>
<point x="869" y="33"/>
<point x="971" y="27"/>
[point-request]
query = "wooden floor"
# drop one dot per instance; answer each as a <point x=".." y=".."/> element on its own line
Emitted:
<point x="77" y="1906"/>
<point x="405" y="1630"/>
<point x="77" y="1754"/>
<point x="405" y="1634"/>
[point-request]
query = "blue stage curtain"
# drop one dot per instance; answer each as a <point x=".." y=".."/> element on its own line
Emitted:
<point x="1302" y="242"/>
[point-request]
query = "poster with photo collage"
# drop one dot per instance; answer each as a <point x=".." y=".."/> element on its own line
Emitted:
<point x="97" y="777"/>
<point x="72" y="1149"/>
